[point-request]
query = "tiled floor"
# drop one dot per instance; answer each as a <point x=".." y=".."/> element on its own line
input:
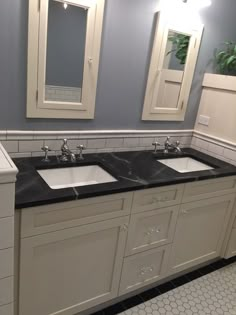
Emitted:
<point x="210" y="290"/>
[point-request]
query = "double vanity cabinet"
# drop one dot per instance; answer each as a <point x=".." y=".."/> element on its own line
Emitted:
<point x="78" y="254"/>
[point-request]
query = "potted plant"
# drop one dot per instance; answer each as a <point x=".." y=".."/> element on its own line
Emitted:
<point x="180" y="44"/>
<point x="226" y="59"/>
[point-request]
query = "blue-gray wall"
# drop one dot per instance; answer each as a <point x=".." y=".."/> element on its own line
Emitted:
<point x="65" y="45"/>
<point x="125" y="54"/>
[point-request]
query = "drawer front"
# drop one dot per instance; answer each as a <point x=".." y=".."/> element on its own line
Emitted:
<point x="231" y="249"/>
<point x="6" y="290"/>
<point x="44" y="219"/>
<point x="209" y="188"/>
<point x="6" y="262"/>
<point x="7" y="205"/>
<point x="151" y="229"/>
<point x="145" y="268"/>
<point x="150" y="199"/>
<point x="6" y="232"/>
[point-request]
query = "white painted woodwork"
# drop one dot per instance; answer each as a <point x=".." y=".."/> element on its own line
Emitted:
<point x="7" y="193"/>
<point x="7" y="309"/>
<point x="170" y="87"/>
<point x="154" y="198"/>
<point x="68" y="271"/>
<point x="209" y="188"/>
<point x="8" y="173"/>
<point x="44" y="219"/>
<point x="151" y="229"/>
<point x="154" y="101"/>
<point x="37" y="106"/>
<point x="6" y="290"/>
<point x="200" y="231"/>
<point x="231" y="248"/>
<point x="6" y="233"/>
<point x="218" y="100"/>
<point x="145" y="268"/>
<point x="6" y="262"/>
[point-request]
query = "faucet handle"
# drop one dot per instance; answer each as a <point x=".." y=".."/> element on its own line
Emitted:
<point x="45" y="149"/>
<point x="81" y="147"/>
<point x="155" y="144"/>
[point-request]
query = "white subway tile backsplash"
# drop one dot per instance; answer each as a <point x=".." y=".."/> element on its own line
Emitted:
<point x="131" y="142"/>
<point x="30" y="146"/>
<point x="7" y="309"/>
<point x="6" y="290"/>
<point x="114" y="143"/>
<point x="6" y="232"/>
<point x="6" y="263"/>
<point x="146" y="142"/>
<point x="202" y="144"/>
<point x="230" y="154"/>
<point x="10" y="146"/>
<point x="96" y="143"/>
<point x="214" y="148"/>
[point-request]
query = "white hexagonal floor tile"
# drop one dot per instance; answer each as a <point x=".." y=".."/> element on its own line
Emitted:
<point x="213" y="294"/>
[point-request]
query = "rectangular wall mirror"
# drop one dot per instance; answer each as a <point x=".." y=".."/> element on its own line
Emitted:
<point x="63" y="58"/>
<point x="172" y="65"/>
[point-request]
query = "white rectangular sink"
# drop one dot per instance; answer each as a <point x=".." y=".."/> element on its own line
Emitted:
<point x="185" y="165"/>
<point x="58" y="178"/>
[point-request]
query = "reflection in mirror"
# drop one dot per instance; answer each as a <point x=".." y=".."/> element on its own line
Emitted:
<point x="66" y="40"/>
<point x="172" y="73"/>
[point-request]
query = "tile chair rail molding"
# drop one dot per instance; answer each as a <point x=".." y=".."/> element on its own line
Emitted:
<point x="29" y="143"/>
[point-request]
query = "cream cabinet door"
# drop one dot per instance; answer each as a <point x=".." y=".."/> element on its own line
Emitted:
<point x="231" y="248"/>
<point x="71" y="270"/>
<point x="200" y="232"/>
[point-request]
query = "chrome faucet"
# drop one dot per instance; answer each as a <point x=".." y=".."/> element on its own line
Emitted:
<point x="81" y="147"/>
<point x="169" y="146"/>
<point x="66" y="153"/>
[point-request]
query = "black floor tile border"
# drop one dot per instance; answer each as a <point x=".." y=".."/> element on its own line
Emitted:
<point x="165" y="287"/>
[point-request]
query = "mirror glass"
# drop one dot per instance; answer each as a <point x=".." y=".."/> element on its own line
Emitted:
<point x="66" y="38"/>
<point x="176" y="51"/>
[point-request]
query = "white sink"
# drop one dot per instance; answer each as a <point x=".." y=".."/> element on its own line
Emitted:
<point x="185" y="165"/>
<point x="58" y="178"/>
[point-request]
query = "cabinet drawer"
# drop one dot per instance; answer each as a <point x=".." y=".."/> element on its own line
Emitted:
<point x="209" y="188"/>
<point x="231" y="249"/>
<point x="7" y="309"/>
<point x="151" y="229"/>
<point x="142" y="269"/>
<point x="7" y="206"/>
<point x="44" y="219"/>
<point x="154" y="198"/>
<point x="6" y="262"/>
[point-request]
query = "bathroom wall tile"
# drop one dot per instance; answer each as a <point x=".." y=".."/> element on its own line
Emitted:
<point x="215" y="148"/>
<point x="201" y="144"/>
<point x="146" y="142"/>
<point x="230" y="154"/>
<point x="96" y="143"/>
<point x="10" y="146"/>
<point x="30" y="146"/>
<point x="6" y="265"/>
<point x="6" y="290"/>
<point x="53" y="144"/>
<point x="114" y="142"/>
<point x="20" y="155"/>
<point x="131" y="142"/>
<point x="6" y="232"/>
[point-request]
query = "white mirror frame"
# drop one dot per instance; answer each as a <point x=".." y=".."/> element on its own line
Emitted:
<point x="152" y="109"/>
<point x="37" y="106"/>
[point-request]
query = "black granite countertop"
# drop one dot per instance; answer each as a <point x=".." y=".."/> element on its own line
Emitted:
<point x="133" y="171"/>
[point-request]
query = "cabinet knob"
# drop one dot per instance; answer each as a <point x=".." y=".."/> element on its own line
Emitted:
<point x="124" y="227"/>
